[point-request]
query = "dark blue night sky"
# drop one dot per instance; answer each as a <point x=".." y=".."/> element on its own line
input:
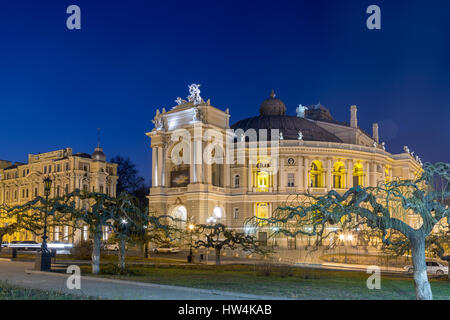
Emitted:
<point x="58" y="86"/>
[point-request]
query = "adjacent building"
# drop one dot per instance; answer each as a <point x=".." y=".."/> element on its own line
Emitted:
<point x="22" y="182"/>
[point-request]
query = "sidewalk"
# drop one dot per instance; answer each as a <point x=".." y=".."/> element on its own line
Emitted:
<point x="16" y="273"/>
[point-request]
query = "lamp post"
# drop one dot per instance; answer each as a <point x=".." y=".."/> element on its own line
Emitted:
<point x="43" y="261"/>
<point x="344" y="238"/>
<point x="191" y="229"/>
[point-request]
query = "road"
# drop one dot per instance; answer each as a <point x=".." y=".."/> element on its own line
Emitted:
<point x="14" y="273"/>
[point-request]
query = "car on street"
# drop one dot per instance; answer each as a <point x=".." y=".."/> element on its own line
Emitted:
<point x="166" y="249"/>
<point x="433" y="267"/>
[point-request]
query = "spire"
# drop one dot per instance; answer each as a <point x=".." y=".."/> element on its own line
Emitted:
<point x="272" y="94"/>
<point x="98" y="137"/>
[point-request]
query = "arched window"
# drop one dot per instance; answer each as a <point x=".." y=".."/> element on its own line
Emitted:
<point x="263" y="180"/>
<point x="236" y="181"/>
<point x="180" y="213"/>
<point x="218" y="214"/>
<point x="387" y="178"/>
<point x="358" y="175"/>
<point x="316" y="174"/>
<point x="338" y="175"/>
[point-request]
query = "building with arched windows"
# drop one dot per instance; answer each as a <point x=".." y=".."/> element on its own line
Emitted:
<point x="23" y="182"/>
<point x="229" y="173"/>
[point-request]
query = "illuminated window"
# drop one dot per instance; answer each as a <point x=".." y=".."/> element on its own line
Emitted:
<point x="291" y="180"/>
<point x="66" y="233"/>
<point x="105" y="233"/>
<point x="387" y="178"/>
<point x="85" y="233"/>
<point x="263" y="181"/>
<point x="338" y="175"/>
<point x="262" y="176"/>
<point x="316" y="174"/>
<point x="262" y="210"/>
<point x="56" y="236"/>
<point x="358" y="175"/>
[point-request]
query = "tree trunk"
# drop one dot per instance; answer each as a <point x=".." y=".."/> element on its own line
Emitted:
<point x="423" y="288"/>
<point x="146" y="250"/>
<point x="217" y="256"/>
<point x="122" y="253"/>
<point x="96" y="252"/>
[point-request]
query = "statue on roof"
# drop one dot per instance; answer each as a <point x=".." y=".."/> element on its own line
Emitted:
<point x="158" y="121"/>
<point x="194" y="96"/>
<point x="300" y="135"/>
<point x="301" y="111"/>
<point x="180" y="101"/>
<point x="406" y="149"/>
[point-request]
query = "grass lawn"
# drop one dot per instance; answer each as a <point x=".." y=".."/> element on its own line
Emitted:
<point x="296" y="283"/>
<point x="10" y="292"/>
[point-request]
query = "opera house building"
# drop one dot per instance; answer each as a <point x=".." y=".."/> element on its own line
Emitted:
<point x="308" y="151"/>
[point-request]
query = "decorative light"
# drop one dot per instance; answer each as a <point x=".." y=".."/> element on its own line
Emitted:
<point x="341" y="237"/>
<point x="191" y="227"/>
<point x="350" y="237"/>
<point x="47" y="185"/>
<point x="124" y="221"/>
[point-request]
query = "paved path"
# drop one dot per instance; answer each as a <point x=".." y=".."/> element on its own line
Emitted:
<point x="14" y="273"/>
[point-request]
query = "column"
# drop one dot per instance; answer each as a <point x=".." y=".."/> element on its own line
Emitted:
<point x="373" y="170"/>
<point x="349" y="174"/>
<point x="160" y="166"/>
<point x="154" y="167"/>
<point x="306" y="174"/>
<point x="300" y="173"/>
<point x="226" y="172"/>
<point x="192" y="166"/>
<point x="329" y="185"/>
<point x="163" y="166"/>
<point x="282" y="173"/>
<point x="249" y="177"/>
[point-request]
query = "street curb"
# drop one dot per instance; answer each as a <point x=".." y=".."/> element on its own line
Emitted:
<point x="163" y="286"/>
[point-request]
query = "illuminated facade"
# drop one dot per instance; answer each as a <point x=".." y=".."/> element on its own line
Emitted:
<point x="22" y="182"/>
<point x="315" y="154"/>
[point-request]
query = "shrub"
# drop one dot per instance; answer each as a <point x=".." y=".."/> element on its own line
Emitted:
<point x="286" y="271"/>
<point x="82" y="250"/>
<point x="114" y="269"/>
<point x="265" y="269"/>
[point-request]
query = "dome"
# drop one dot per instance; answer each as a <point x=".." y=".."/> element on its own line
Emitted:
<point x="98" y="154"/>
<point x="290" y="126"/>
<point x="272" y="106"/>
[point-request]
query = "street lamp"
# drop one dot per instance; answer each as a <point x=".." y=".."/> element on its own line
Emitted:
<point x="191" y="230"/>
<point x="344" y="238"/>
<point x="43" y="261"/>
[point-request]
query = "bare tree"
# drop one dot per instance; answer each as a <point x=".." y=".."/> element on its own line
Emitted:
<point x="217" y="236"/>
<point x="383" y="208"/>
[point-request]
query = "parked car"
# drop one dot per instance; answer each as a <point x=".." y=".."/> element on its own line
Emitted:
<point x="111" y="246"/>
<point x="433" y="267"/>
<point x="166" y="249"/>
